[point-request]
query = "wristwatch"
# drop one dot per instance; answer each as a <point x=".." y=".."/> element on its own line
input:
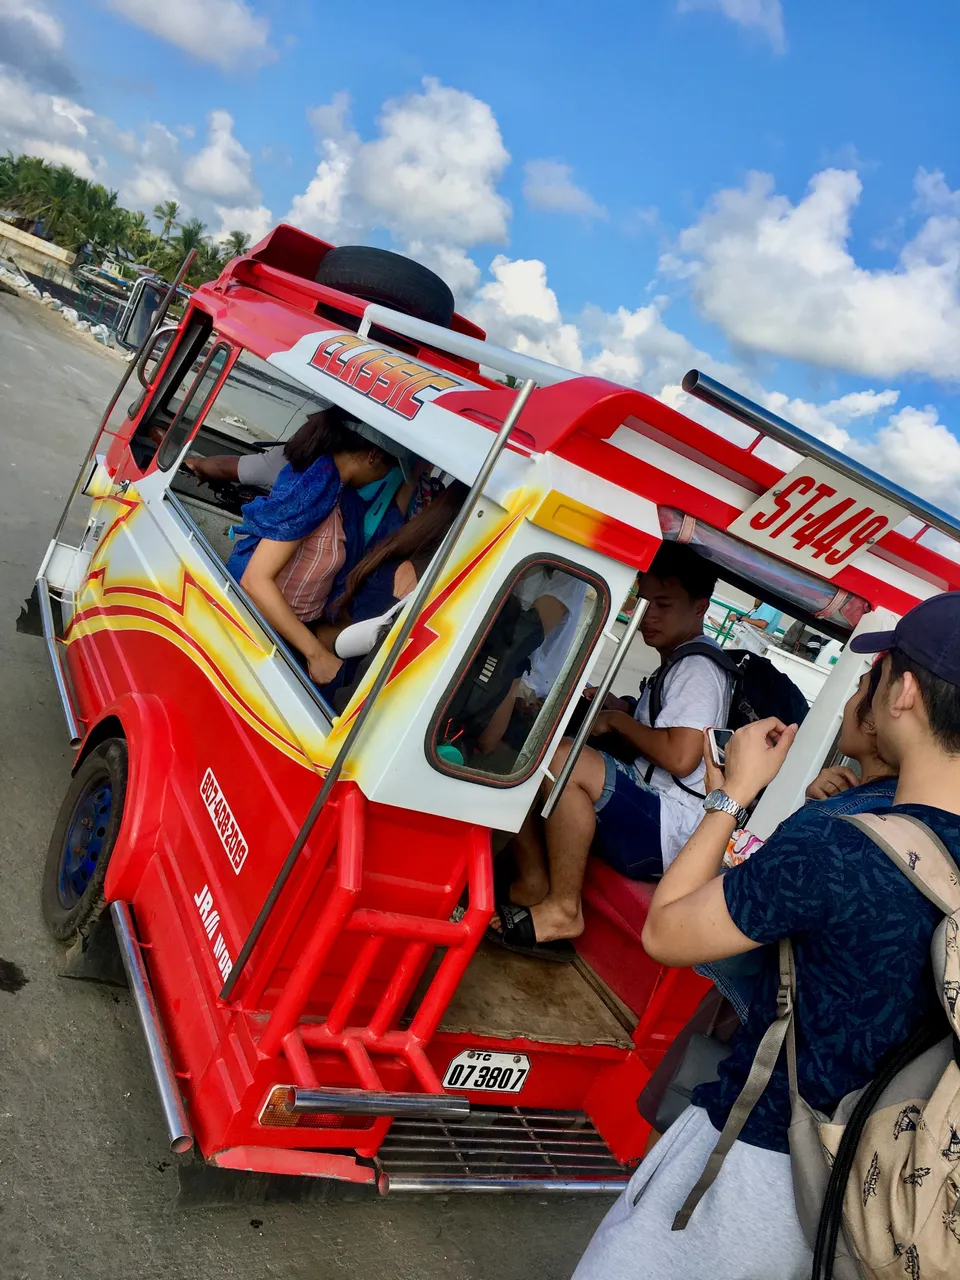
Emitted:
<point x="726" y="804"/>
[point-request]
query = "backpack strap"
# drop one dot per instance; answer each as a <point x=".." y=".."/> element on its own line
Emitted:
<point x="764" y="1062"/>
<point x="697" y="648"/>
<point x="918" y="852"/>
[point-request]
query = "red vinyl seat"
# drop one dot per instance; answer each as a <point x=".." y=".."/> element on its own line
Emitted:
<point x="614" y="911"/>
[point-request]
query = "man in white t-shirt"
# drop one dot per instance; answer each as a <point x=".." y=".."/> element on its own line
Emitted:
<point x="635" y="816"/>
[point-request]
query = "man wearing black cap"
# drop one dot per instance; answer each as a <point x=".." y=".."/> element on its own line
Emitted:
<point x="861" y="936"/>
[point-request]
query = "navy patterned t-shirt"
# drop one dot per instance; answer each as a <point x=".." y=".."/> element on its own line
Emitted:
<point x="861" y="936"/>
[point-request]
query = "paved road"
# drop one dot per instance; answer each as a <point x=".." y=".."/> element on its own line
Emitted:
<point x="86" y="1184"/>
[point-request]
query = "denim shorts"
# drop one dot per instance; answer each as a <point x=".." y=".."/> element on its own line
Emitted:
<point x="628" y="823"/>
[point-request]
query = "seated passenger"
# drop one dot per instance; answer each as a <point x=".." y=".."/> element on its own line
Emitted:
<point x="558" y="599"/>
<point x="635" y="816"/>
<point x="380" y="583"/>
<point x="293" y="541"/>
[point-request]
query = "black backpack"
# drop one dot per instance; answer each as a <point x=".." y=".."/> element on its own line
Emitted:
<point x="503" y="656"/>
<point x="759" y="688"/>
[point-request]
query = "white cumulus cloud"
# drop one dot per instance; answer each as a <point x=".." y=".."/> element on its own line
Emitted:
<point x="765" y="15"/>
<point x="226" y="32"/>
<point x="549" y="185"/>
<point x="780" y="277"/>
<point x="223" y="169"/>
<point x="47" y="125"/>
<point x="429" y="178"/>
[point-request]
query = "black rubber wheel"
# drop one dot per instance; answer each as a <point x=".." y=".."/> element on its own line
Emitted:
<point x="377" y="275"/>
<point x="83" y="837"/>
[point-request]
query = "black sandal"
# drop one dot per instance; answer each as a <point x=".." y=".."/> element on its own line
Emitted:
<point x="517" y="934"/>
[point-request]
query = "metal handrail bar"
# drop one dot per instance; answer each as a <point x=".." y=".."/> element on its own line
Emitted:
<point x="422" y="594"/>
<point x="161" y="312"/>
<point x="596" y="706"/>
<point x="461" y="344"/>
<point x="770" y="424"/>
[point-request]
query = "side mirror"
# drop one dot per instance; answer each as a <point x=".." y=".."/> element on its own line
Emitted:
<point x="138" y="315"/>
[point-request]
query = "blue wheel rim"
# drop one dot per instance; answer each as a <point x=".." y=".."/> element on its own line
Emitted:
<point x="83" y="845"/>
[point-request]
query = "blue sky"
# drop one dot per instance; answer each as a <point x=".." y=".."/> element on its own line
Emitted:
<point x="580" y="174"/>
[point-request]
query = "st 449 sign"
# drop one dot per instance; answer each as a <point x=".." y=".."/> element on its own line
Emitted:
<point x="817" y="519"/>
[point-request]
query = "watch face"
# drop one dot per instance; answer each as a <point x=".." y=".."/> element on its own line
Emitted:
<point x="714" y="799"/>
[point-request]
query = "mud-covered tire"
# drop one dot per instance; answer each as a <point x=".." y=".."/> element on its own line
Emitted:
<point x="377" y="275"/>
<point x="83" y="837"/>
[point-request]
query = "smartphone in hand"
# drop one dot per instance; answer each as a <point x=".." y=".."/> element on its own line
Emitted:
<point x="718" y="744"/>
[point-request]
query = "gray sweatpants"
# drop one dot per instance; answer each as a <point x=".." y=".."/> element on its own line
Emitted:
<point x="744" y="1228"/>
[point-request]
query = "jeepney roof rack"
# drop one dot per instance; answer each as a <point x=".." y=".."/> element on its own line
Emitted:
<point x="737" y="406"/>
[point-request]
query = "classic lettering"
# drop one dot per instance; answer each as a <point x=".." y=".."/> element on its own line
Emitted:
<point x="381" y="375"/>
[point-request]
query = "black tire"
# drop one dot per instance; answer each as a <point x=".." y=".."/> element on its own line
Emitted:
<point x="377" y="275"/>
<point x="71" y="895"/>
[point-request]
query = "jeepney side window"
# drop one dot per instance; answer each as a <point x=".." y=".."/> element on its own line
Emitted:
<point x="501" y="710"/>
<point x="194" y="404"/>
<point x="167" y="397"/>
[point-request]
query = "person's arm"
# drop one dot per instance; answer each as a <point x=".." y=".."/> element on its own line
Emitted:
<point x="260" y="583"/>
<point x="761" y="624"/>
<point x="678" y="750"/>
<point x="689" y="921"/>
<point x="221" y="467"/>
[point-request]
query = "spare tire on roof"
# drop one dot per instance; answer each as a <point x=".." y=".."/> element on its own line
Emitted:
<point x="377" y="275"/>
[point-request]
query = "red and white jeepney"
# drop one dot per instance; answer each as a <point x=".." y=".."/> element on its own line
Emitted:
<point x="284" y="882"/>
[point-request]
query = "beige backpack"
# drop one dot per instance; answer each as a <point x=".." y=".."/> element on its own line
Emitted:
<point x="877" y="1184"/>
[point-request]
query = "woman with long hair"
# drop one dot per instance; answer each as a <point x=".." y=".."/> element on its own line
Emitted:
<point x="293" y="541"/>
<point x="382" y="581"/>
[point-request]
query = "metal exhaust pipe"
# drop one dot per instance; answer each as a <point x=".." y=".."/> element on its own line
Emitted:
<point x="171" y="1100"/>
<point x="732" y="403"/>
<point x="355" y="1102"/>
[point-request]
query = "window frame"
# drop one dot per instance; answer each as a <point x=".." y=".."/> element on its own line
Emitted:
<point x="181" y="356"/>
<point x="505" y="781"/>
<point x="220" y="344"/>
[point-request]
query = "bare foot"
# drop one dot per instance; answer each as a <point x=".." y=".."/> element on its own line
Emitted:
<point x="551" y="921"/>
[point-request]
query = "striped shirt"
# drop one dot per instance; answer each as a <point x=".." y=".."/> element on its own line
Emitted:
<point x="307" y="577"/>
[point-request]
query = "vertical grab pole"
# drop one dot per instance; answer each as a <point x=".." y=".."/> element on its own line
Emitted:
<point x="161" y="312"/>
<point x="425" y="587"/>
<point x="596" y="706"/>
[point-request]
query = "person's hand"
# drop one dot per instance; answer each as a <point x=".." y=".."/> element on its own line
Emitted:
<point x="753" y="757"/>
<point x="606" y="722"/>
<point x="323" y="665"/>
<point x="830" y="782"/>
<point x="713" y="776"/>
<point x="610" y="703"/>
<point x="196" y="465"/>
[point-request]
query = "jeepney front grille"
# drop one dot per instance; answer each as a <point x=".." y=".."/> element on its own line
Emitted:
<point x="507" y="1148"/>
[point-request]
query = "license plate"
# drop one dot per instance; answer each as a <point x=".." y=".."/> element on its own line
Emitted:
<point x="817" y="519"/>
<point x="477" y="1070"/>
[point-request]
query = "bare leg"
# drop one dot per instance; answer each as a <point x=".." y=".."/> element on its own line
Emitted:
<point x="532" y="883"/>
<point x="569" y="830"/>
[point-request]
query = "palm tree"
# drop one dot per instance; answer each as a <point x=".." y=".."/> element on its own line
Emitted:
<point x="167" y="213"/>
<point x="236" y="243"/>
<point x="138" y="235"/>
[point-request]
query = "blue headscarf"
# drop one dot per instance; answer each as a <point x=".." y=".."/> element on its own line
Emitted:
<point x="298" y="503"/>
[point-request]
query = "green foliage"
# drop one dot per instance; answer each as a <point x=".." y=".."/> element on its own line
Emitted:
<point x="79" y="214"/>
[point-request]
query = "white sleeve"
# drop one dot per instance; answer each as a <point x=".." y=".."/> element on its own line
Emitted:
<point x="696" y="695"/>
<point x="261" y="468"/>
